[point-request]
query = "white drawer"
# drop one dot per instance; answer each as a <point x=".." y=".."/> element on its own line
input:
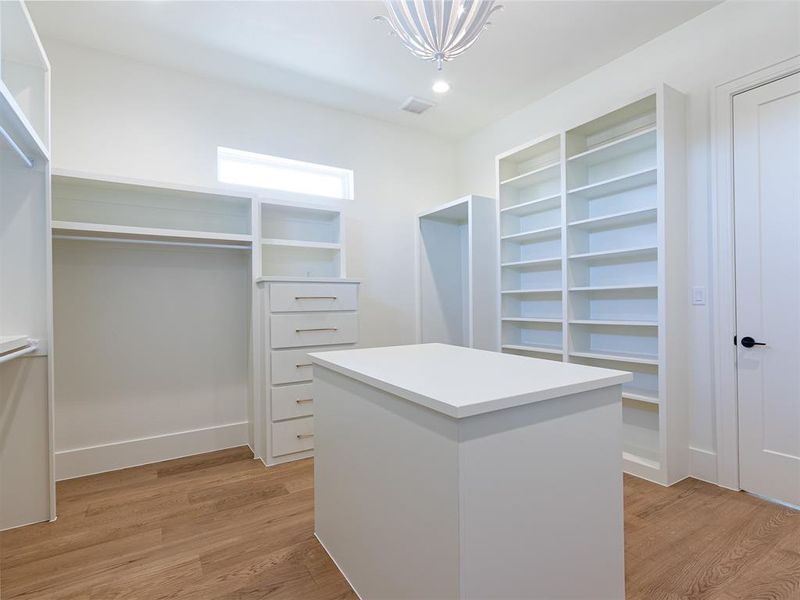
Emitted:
<point x="290" y="366"/>
<point x="291" y="401"/>
<point x="303" y="297"/>
<point x="292" y="436"/>
<point x="313" y="329"/>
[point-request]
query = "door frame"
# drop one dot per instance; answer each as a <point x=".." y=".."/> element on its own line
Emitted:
<point x="723" y="307"/>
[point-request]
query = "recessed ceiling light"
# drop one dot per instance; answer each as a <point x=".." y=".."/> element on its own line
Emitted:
<point x="441" y="87"/>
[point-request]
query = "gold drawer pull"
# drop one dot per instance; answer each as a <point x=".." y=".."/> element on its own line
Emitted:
<point x="315" y="297"/>
<point x="304" y="400"/>
<point x="302" y="365"/>
<point x="316" y="329"/>
<point x="304" y="436"/>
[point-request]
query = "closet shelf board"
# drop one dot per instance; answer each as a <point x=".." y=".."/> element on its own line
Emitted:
<point x="540" y="349"/>
<point x="622" y="219"/>
<point x="534" y="176"/>
<point x="534" y="234"/>
<point x="642" y="252"/>
<point x="531" y="320"/>
<point x="533" y="291"/>
<point x="629" y="358"/>
<point x="9" y="343"/>
<point x="300" y="244"/>
<point x="613" y="288"/>
<point x="532" y="263"/>
<point x="639" y="395"/>
<point x="639" y="460"/>
<point x="614" y="322"/>
<point x="616" y="185"/>
<point x="75" y="229"/>
<point x="533" y="206"/>
<point x="639" y="140"/>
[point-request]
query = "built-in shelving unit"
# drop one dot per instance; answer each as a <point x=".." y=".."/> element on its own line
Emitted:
<point x="593" y="264"/>
<point x="301" y="241"/>
<point x="456" y="257"/>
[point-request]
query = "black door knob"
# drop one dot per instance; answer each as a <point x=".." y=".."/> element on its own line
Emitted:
<point x="749" y="342"/>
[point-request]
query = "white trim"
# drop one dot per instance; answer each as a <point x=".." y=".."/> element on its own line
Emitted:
<point x="79" y="462"/>
<point x="346" y="578"/>
<point x="703" y="464"/>
<point x="723" y="291"/>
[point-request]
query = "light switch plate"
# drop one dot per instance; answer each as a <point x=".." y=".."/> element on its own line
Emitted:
<point x="698" y="296"/>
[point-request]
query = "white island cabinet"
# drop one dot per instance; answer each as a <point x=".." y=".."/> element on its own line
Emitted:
<point x="448" y="472"/>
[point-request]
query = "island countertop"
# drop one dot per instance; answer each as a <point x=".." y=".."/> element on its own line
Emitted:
<point x="463" y="382"/>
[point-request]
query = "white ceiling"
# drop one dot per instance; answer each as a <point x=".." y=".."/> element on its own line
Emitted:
<point x="332" y="53"/>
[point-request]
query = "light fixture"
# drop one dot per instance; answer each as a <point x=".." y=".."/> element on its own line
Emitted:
<point x="438" y="30"/>
<point x="441" y="87"/>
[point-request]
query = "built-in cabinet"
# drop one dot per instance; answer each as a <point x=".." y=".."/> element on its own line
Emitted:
<point x="302" y="315"/>
<point x="456" y="273"/>
<point x="593" y="264"/>
<point x="27" y="489"/>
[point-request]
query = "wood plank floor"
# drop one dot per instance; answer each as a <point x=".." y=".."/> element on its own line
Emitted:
<point x="221" y="526"/>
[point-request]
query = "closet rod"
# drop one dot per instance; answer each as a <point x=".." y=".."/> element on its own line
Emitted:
<point x="150" y="242"/>
<point x="34" y="345"/>
<point x="10" y="141"/>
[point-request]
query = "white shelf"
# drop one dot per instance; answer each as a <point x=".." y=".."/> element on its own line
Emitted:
<point x="639" y="460"/>
<point x="540" y="349"/>
<point x="300" y="244"/>
<point x="618" y="357"/>
<point x="639" y="396"/>
<point x="536" y="175"/>
<point x="642" y="252"/>
<point x="527" y="236"/>
<point x="616" y="185"/>
<point x="608" y="322"/>
<point x="612" y="288"/>
<point x="530" y="320"/>
<point x="639" y="140"/>
<point x="533" y="291"/>
<point x="10" y="343"/>
<point x="532" y="263"/>
<point x="124" y="232"/>
<point x="533" y="206"/>
<point x="621" y="219"/>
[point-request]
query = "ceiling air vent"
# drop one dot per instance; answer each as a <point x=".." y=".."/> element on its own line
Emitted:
<point x="416" y="105"/>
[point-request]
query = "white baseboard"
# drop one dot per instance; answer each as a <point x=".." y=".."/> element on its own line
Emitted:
<point x="703" y="464"/>
<point x="132" y="453"/>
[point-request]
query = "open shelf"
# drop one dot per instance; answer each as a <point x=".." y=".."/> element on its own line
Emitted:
<point x="299" y="224"/>
<point x="612" y="221"/>
<point x="641" y="433"/>
<point x="610" y="323"/>
<point x="120" y="209"/>
<point x="531" y="158"/>
<point x="609" y="288"/>
<point x="615" y="185"/>
<point x="642" y="359"/>
<point x="10" y="343"/>
<point x="643" y="138"/>
<point x="626" y="253"/>
<point x="534" y="176"/>
<point x="66" y="229"/>
<point x="537" y="349"/>
<point x="539" y="262"/>
<point x="300" y="244"/>
<point x="533" y="291"/>
<point x="639" y="395"/>
<point x="531" y="320"/>
<point x="532" y="206"/>
<point x="536" y="234"/>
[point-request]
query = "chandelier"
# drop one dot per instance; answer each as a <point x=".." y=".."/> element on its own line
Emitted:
<point x="438" y="30"/>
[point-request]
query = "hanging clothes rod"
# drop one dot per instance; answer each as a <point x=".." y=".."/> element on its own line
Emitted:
<point x="31" y="348"/>
<point x="13" y="145"/>
<point x="88" y="238"/>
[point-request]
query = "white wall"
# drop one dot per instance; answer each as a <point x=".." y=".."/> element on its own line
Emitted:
<point x="724" y="43"/>
<point x="119" y="117"/>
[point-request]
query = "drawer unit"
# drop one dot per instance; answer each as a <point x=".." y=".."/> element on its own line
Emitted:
<point x="292" y="401"/>
<point x="290" y="366"/>
<point x="313" y="329"/>
<point x="292" y="436"/>
<point x="298" y="316"/>
<point x="313" y="297"/>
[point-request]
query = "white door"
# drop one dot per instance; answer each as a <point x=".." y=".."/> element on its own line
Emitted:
<point x="767" y="215"/>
